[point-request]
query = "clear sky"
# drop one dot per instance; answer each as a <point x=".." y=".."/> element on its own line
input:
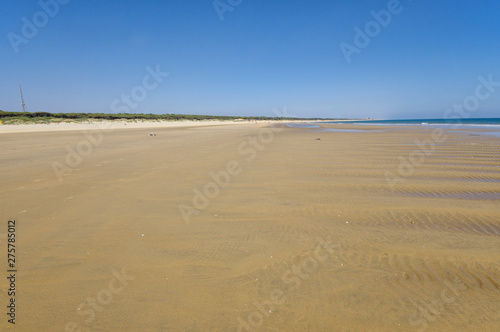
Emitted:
<point x="86" y="55"/>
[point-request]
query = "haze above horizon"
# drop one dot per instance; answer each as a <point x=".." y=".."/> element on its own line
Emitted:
<point x="330" y="59"/>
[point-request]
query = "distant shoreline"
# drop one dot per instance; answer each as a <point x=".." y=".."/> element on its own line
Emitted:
<point x="46" y="117"/>
<point x="127" y="124"/>
<point x="22" y="122"/>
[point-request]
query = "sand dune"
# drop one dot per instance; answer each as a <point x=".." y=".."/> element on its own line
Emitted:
<point x="356" y="231"/>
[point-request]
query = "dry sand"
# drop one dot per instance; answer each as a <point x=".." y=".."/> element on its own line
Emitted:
<point x="90" y="125"/>
<point x="312" y="225"/>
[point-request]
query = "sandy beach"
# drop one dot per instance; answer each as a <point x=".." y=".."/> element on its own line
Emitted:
<point x="102" y="125"/>
<point x="250" y="227"/>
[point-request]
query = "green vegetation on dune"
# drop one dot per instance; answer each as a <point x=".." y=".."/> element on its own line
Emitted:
<point x="46" y="117"/>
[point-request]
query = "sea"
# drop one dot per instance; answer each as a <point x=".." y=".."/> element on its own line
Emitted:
<point x="483" y="126"/>
<point x="453" y="122"/>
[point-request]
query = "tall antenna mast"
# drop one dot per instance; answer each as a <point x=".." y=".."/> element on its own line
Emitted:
<point x="22" y="99"/>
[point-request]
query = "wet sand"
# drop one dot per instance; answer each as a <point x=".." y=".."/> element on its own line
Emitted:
<point x="284" y="229"/>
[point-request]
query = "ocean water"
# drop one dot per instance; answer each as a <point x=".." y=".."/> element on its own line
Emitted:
<point x="451" y="122"/>
<point x="488" y="126"/>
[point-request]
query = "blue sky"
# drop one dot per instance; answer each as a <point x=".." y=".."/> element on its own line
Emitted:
<point x="263" y="55"/>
